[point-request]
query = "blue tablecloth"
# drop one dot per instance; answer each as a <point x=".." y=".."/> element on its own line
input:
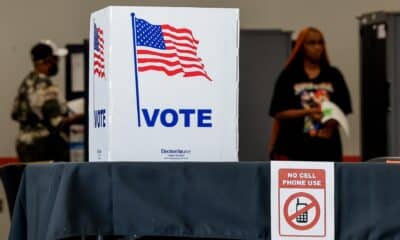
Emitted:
<point x="199" y="200"/>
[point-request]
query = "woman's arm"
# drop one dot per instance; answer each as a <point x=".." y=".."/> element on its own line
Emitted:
<point x="274" y="135"/>
<point x="329" y="127"/>
<point x="315" y="113"/>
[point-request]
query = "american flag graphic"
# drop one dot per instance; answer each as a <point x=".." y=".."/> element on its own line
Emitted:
<point x="98" y="54"/>
<point x="167" y="49"/>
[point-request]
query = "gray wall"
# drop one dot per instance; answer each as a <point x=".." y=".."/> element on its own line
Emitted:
<point x="22" y="23"/>
<point x="262" y="55"/>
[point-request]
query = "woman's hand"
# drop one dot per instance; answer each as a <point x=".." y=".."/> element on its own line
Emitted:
<point x="328" y="129"/>
<point x="315" y="113"/>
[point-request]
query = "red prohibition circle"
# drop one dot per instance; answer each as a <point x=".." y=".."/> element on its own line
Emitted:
<point x="289" y="219"/>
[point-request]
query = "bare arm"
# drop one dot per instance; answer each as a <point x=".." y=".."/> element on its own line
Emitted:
<point x="298" y="113"/>
<point x="328" y="129"/>
<point x="274" y="135"/>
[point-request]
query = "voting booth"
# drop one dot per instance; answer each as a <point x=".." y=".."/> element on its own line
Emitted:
<point x="163" y="84"/>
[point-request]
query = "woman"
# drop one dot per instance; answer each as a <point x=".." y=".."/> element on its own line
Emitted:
<point x="307" y="80"/>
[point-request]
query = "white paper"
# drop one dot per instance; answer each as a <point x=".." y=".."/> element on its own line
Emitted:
<point x="381" y="31"/>
<point x="77" y="105"/>
<point x="332" y="111"/>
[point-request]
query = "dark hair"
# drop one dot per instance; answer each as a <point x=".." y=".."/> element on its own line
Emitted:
<point x="41" y="51"/>
<point x="297" y="55"/>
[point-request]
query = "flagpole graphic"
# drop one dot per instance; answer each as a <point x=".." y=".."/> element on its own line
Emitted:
<point x="93" y="81"/>
<point x="135" y="68"/>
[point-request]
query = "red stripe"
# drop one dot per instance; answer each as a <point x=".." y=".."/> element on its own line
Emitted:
<point x="194" y="74"/>
<point x="100" y="52"/>
<point x="169" y="63"/>
<point x="167" y="55"/>
<point x="180" y="44"/>
<point x="193" y="41"/>
<point x="182" y="51"/>
<point x="99" y="64"/>
<point x="98" y="70"/>
<point x="161" y="69"/>
<point x="99" y="30"/>
<point x="99" y="73"/>
<point x="179" y="53"/>
<point x="98" y="57"/>
<point x="174" y="72"/>
<point x="178" y="30"/>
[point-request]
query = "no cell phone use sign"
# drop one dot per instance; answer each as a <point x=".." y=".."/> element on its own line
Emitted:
<point x="302" y="203"/>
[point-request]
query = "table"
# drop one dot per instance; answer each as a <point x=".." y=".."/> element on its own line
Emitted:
<point x="204" y="200"/>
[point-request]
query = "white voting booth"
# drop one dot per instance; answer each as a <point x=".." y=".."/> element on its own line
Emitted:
<point x="163" y="84"/>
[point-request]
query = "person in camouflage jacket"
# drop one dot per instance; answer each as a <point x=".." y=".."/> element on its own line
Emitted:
<point x="40" y="111"/>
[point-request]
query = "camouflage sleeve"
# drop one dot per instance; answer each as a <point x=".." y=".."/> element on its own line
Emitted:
<point x="54" y="108"/>
<point x="51" y="109"/>
<point x="16" y="110"/>
<point x="21" y="110"/>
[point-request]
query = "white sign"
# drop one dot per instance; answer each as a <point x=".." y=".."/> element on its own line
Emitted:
<point x="302" y="200"/>
<point x="163" y="84"/>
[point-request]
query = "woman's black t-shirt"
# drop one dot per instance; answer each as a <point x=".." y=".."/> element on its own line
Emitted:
<point x="297" y="137"/>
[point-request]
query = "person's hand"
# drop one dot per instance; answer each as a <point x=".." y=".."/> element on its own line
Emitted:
<point x="327" y="131"/>
<point x="315" y="113"/>
<point x="71" y="119"/>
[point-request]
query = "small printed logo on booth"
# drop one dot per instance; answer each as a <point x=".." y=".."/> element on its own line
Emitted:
<point x="175" y="154"/>
<point x="179" y="151"/>
<point x="98" y="52"/>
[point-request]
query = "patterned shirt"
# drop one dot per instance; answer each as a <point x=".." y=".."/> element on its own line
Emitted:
<point x="38" y="108"/>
